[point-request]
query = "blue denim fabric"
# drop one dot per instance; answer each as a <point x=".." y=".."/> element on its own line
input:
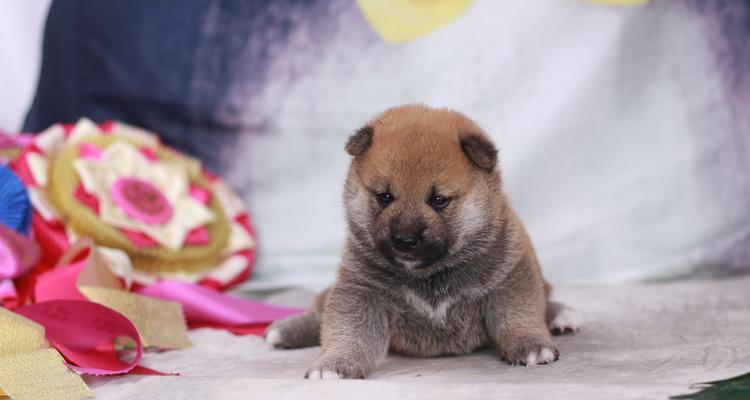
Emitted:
<point x="166" y="65"/>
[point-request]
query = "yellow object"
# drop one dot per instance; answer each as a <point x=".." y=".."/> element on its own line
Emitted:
<point x="40" y="375"/>
<point x="398" y="21"/>
<point x="30" y="371"/>
<point x="19" y="334"/>
<point x="160" y="323"/>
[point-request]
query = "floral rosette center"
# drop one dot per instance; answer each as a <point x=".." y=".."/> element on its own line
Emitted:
<point x="141" y="200"/>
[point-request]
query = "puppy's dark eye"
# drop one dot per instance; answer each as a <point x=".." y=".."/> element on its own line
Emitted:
<point x="439" y="202"/>
<point x="384" y="198"/>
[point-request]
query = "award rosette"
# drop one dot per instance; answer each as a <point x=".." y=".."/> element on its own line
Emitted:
<point x="120" y="186"/>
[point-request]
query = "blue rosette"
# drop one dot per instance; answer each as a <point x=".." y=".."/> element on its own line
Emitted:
<point x="15" y="207"/>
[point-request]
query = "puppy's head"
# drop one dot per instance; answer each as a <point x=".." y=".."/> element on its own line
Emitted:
<point x="423" y="188"/>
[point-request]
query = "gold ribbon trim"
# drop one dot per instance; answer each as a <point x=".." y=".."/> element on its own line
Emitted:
<point x="40" y="375"/>
<point x="160" y="323"/>
<point x="28" y="371"/>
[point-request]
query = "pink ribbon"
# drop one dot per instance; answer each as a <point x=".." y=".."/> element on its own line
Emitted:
<point x="8" y="294"/>
<point x="202" y="305"/>
<point x="84" y="333"/>
<point x="60" y="284"/>
<point x="17" y="253"/>
<point x="9" y="141"/>
<point x="207" y="306"/>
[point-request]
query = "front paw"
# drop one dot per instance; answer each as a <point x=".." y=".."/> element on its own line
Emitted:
<point x="529" y="351"/>
<point x="335" y="368"/>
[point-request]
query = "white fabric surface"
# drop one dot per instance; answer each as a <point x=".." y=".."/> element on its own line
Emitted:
<point x="21" y="28"/>
<point x="645" y="341"/>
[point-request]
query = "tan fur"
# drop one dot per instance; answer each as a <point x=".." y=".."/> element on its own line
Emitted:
<point x="471" y="280"/>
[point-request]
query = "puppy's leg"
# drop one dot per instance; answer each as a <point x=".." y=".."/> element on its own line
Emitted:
<point x="300" y="330"/>
<point x="562" y="319"/>
<point x="294" y="332"/>
<point x="515" y="319"/>
<point x="354" y="335"/>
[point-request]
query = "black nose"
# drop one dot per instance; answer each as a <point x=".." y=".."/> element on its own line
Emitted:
<point x="406" y="243"/>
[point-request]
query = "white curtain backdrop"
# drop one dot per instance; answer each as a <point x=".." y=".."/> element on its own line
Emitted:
<point x="21" y="28"/>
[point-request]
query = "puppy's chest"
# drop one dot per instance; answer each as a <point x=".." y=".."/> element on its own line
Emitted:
<point x="429" y="328"/>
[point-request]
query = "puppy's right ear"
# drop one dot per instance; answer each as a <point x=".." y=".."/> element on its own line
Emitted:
<point x="360" y="141"/>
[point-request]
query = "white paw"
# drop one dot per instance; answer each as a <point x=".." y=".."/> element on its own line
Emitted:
<point x="568" y="320"/>
<point x="325" y="374"/>
<point x="273" y="337"/>
<point x="544" y="356"/>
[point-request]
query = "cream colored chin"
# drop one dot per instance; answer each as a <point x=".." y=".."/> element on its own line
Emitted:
<point x="409" y="264"/>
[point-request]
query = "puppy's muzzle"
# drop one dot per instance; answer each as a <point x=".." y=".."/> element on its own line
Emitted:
<point x="406" y="243"/>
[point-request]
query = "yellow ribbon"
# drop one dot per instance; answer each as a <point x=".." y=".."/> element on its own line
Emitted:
<point x="30" y="371"/>
<point x="160" y="323"/>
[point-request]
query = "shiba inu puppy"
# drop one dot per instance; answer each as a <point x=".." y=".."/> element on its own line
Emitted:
<point x="436" y="261"/>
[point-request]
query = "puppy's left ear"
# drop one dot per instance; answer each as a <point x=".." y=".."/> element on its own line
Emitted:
<point x="480" y="151"/>
<point x="360" y="141"/>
